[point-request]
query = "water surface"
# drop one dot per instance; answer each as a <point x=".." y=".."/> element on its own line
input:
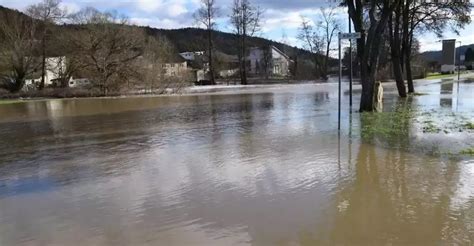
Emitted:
<point x="261" y="167"/>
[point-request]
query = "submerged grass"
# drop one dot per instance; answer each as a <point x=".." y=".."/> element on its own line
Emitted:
<point x="387" y="124"/>
<point x="401" y="120"/>
<point x="469" y="151"/>
<point x="419" y="94"/>
<point x="469" y="126"/>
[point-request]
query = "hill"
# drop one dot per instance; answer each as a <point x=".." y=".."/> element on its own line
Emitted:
<point x="195" y="39"/>
<point x="11" y="12"/>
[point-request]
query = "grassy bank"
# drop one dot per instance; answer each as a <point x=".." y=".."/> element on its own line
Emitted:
<point x="8" y="101"/>
<point x="445" y="76"/>
<point x="439" y="76"/>
<point x="420" y="130"/>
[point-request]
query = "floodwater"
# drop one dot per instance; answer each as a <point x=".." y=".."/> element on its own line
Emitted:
<point x="257" y="167"/>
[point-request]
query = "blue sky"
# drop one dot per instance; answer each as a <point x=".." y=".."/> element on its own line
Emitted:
<point x="281" y="17"/>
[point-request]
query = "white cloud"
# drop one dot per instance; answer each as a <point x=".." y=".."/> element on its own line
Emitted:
<point x="71" y="7"/>
<point x="158" y="23"/>
<point x="177" y="9"/>
<point x="149" y="5"/>
<point x="279" y="14"/>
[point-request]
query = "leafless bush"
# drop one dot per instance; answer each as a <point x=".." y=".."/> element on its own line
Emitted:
<point x="17" y="45"/>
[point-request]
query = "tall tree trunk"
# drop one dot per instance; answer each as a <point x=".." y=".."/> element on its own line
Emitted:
<point x="368" y="82"/>
<point x="407" y="44"/>
<point x="395" y="44"/>
<point x="368" y="46"/>
<point x="243" y="78"/>
<point x="411" y="87"/>
<point x="43" y="64"/>
<point x="210" y="47"/>
<point x="326" y="60"/>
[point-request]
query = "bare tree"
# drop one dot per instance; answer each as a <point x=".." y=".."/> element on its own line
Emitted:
<point x="330" y="25"/>
<point x="109" y="48"/>
<point x="49" y="13"/>
<point x="206" y="15"/>
<point x="394" y="27"/>
<point x="157" y="51"/>
<point x="429" y="16"/>
<point x="318" y="39"/>
<point x="369" y="45"/>
<point x="312" y="41"/>
<point x="17" y="47"/>
<point x="246" y="21"/>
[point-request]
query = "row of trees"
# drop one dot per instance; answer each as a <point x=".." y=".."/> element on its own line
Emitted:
<point x="387" y="27"/>
<point x="102" y="47"/>
<point x="404" y="19"/>
<point x="245" y="20"/>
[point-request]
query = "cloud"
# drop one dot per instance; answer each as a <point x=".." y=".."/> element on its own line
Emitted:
<point x="165" y="23"/>
<point x="149" y="5"/>
<point x="278" y="15"/>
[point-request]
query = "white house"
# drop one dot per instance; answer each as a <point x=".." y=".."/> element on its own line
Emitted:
<point x="54" y="67"/>
<point x="269" y="60"/>
<point x="175" y="66"/>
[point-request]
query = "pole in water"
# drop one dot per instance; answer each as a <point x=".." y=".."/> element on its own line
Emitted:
<point x="340" y="75"/>
<point x="350" y="66"/>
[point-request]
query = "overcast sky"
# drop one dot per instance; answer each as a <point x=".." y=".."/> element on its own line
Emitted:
<point x="281" y="17"/>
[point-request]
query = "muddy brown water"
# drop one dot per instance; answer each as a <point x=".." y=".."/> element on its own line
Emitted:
<point x="261" y="167"/>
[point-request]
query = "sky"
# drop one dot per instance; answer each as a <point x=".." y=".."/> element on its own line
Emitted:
<point x="282" y="18"/>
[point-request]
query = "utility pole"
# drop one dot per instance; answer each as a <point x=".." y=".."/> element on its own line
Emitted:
<point x="350" y="64"/>
<point x="459" y="61"/>
<point x="342" y="36"/>
<point x="340" y="76"/>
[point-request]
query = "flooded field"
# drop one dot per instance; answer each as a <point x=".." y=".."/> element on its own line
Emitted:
<point x="258" y="167"/>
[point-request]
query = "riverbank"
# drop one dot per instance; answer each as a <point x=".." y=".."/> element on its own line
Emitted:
<point x="75" y="93"/>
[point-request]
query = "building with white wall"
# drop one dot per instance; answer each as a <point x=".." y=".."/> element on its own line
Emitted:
<point x="268" y="61"/>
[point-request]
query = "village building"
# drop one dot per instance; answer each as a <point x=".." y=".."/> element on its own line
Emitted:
<point x="175" y="66"/>
<point x="54" y="67"/>
<point x="268" y="61"/>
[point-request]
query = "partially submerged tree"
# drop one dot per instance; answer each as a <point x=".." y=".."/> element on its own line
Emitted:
<point x="245" y="19"/>
<point x="429" y="16"/>
<point x="395" y="37"/>
<point x="206" y="15"/>
<point x="49" y="13"/>
<point x="368" y="46"/>
<point x="17" y="45"/>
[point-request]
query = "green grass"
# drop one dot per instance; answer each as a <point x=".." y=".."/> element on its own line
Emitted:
<point x="469" y="151"/>
<point x="469" y="126"/>
<point x="2" y="102"/>
<point x="387" y="124"/>
<point x="439" y="76"/>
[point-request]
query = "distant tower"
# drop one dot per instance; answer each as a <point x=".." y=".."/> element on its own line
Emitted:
<point x="448" y="64"/>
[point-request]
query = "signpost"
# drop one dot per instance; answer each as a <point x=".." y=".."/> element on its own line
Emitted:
<point x="343" y="36"/>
